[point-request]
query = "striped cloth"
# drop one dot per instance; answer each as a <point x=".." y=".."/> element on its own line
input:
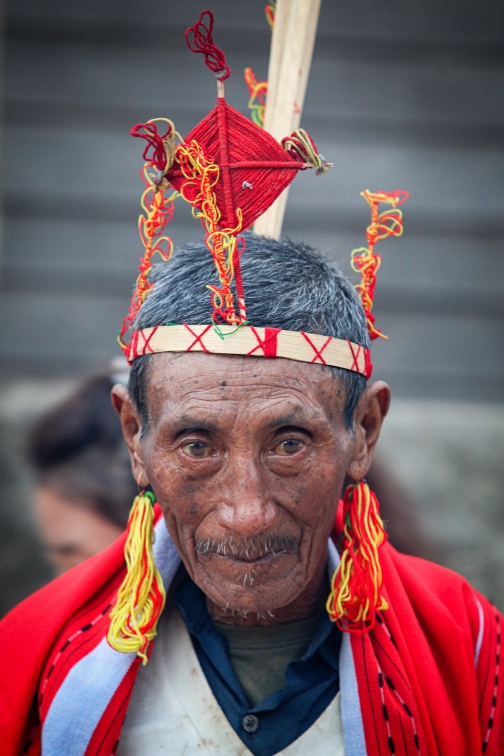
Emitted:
<point x="427" y="680"/>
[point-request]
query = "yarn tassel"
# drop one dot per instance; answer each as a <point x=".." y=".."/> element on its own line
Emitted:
<point x="356" y="585"/>
<point x="301" y="147"/>
<point x="141" y="597"/>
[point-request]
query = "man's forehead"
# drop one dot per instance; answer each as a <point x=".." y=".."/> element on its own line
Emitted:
<point x="182" y="385"/>
<point x="232" y="370"/>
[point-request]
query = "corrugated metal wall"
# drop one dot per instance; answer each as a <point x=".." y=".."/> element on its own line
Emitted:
<point x="401" y="95"/>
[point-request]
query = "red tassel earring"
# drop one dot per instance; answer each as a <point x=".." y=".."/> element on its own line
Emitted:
<point x="356" y="586"/>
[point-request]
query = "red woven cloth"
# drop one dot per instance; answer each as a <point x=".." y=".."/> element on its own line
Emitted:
<point x="420" y="690"/>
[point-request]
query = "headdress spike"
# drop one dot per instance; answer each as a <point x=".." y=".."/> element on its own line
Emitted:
<point x="365" y="260"/>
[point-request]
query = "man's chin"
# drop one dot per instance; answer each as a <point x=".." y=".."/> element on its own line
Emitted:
<point x="251" y="586"/>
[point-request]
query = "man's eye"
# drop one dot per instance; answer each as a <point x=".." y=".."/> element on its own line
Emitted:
<point x="290" y="446"/>
<point x="197" y="449"/>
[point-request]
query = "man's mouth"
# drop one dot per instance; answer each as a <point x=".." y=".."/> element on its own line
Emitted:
<point x="254" y="560"/>
<point x="250" y="551"/>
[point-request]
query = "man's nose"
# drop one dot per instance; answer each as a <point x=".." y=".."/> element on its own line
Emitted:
<point x="245" y="505"/>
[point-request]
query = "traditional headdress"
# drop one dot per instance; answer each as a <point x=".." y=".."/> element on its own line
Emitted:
<point x="231" y="170"/>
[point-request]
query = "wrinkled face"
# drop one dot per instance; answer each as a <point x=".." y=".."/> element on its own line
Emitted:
<point x="247" y="458"/>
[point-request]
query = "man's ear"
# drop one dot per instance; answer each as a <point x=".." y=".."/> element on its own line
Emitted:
<point x="368" y="418"/>
<point x="132" y="430"/>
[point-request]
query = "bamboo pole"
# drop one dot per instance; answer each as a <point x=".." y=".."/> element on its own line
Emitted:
<point x="289" y="67"/>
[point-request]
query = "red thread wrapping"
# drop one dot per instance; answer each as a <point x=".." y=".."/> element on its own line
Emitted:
<point x="199" y="39"/>
<point x="355" y="355"/>
<point x="228" y="169"/>
<point x="133" y="352"/>
<point x="318" y="352"/>
<point x="269" y="344"/>
<point x="254" y="187"/>
<point x="243" y="187"/>
<point x="147" y="349"/>
<point x="368" y="365"/>
<point x="228" y="211"/>
<point x="268" y="164"/>
<point x="240" y="291"/>
<point x="197" y="339"/>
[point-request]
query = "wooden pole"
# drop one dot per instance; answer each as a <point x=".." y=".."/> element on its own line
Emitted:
<point x="289" y="67"/>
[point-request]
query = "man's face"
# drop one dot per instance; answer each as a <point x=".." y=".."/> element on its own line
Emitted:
<point x="247" y="459"/>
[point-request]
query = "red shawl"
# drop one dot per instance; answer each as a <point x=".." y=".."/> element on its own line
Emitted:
<point x="429" y="676"/>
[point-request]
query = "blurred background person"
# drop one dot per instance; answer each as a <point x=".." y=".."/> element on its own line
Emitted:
<point x="84" y="488"/>
<point x="400" y="513"/>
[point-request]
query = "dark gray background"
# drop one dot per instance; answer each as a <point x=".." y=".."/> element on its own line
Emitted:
<point x="400" y="96"/>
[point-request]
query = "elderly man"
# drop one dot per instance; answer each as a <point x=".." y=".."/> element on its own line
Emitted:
<point x="256" y="608"/>
<point x="248" y="459"/>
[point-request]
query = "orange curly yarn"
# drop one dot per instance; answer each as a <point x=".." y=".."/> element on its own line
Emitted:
<point x="365" y="260"/>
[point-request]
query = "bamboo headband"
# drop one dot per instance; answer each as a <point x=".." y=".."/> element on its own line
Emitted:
<point x="253" y="342"/>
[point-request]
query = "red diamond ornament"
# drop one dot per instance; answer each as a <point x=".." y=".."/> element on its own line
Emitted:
<point x="253" y="168"/>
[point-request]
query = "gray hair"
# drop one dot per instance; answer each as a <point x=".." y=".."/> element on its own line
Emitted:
<point x="288" y="285"/>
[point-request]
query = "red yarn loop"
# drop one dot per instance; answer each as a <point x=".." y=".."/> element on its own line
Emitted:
<point x="156" y="158"/>
<point x="200" y="40"/>
<point x="398" y="195"/>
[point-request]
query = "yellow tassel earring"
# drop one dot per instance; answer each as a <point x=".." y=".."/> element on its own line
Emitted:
<point x="141" y="597"/>
<point x="356" y="586"/>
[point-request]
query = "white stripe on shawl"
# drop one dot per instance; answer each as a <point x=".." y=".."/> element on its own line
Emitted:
<point x="82" y="699"/>
<point x="481" y="630"/>
<point x="353" y="726"/>
<point x="90" y="685"/>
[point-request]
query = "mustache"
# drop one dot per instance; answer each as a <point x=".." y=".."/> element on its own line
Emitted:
<point x="247" y="549"/>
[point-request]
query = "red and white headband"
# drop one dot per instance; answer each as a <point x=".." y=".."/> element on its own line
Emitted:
<point x="252" y="342"/>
